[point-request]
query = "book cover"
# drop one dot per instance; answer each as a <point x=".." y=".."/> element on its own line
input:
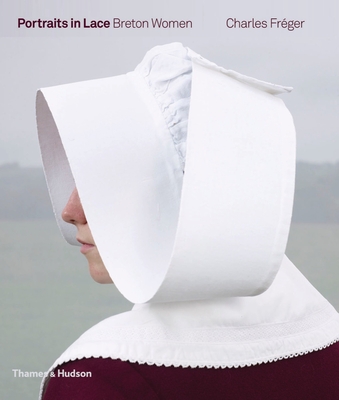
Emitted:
<point x="47" y="298"/>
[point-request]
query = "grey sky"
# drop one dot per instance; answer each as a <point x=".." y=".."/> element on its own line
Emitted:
<point x="306" y="59"/>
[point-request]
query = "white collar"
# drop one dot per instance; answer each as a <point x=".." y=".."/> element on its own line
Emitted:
<point x="290" y="319"/>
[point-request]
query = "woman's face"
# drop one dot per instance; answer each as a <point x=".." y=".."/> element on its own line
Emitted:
<point x="73" y="213"/>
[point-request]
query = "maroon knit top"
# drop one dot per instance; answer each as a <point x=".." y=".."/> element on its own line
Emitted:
<point x="314" y="376"/>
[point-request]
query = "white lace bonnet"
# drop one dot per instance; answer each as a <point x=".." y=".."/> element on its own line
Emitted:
<point x="206" y="217"/>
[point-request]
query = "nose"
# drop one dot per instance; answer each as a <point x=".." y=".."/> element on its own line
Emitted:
<point x="73" y="212"/>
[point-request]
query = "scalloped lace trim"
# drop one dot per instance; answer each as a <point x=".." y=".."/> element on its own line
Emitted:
<point x="202" y="365"/>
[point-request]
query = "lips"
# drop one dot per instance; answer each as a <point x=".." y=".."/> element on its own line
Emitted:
<point x="85" y="246"/>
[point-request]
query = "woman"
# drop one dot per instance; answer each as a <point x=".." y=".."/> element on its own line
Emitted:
<point x="177" y="180"/>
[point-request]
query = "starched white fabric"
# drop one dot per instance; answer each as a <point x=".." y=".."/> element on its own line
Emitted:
<point x="218" y="230"/>
<point x="204" y="249"/>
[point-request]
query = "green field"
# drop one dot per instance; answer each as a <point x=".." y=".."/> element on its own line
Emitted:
<point x="48" y="298"/>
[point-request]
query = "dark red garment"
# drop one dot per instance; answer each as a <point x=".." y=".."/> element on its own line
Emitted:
<point x="314" y="376"/>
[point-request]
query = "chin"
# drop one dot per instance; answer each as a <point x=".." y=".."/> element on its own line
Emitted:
<point x="99" y="275"/>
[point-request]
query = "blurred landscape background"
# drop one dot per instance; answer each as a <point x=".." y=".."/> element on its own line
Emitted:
<point x="48" y="299"/>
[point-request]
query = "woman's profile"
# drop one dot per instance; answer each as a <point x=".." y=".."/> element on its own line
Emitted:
<point x="177" y="181"/>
